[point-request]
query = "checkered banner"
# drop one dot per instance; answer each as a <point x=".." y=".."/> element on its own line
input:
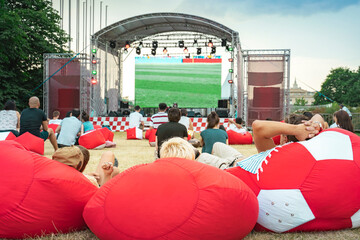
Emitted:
<point x="120" y="124"/>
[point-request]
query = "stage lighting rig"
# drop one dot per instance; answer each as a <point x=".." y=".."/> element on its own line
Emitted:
<point x="138" y="51"/>
<point x="195" y="44"/>
<point x="153" y="51"/>
<point x="210" y="43"/>
<point x="231" y="59"/>
<point x="140" y="45"/>
<point x="213" y="50"/>
<point x="125" y="50"/>
<point x="165" y="50"/>
<point x="155" y="44"/>
<point x="230" y="81"/>
<point x="181" y="44"/>
<point x="231" y="70"/>
<point x="186" y="50"/>
<point x="229" y="49"/>
<point x="93" y="81"/>
<point x="127" y="45"/>
<point x="198" y="51"/>
<point x="223" y="42"/>
<point x="112" y="44"/>
<point x="93" y="50"/>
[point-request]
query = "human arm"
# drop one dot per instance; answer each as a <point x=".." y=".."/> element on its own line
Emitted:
<point x="45" y="125"/>
<point x="18" y="121"/>
<point x="82" y="129"/>
<point x="191" y="126"/>
<point x="263" y="131"/>
<point x="58" y="129"/>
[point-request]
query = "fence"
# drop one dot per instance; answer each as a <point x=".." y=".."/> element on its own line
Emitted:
<point x="355" y="120"/>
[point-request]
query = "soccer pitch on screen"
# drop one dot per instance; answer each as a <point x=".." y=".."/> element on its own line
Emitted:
<point x="191" y="85"/>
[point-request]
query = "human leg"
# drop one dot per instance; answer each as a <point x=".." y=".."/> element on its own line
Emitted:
<point x="225" y="151"/>
<point x="213" y="160"/>
<point x="105" y="168"/>
<point x="52" y="138"/>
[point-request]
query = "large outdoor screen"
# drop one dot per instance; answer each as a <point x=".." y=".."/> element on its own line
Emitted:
<point x="191" y="85"/>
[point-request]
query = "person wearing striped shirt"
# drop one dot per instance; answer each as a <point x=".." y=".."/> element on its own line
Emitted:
<point x="160" y="117"/>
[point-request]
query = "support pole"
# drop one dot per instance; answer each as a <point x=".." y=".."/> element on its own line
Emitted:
<point x="101" y="14"/>
<point x="106" y="7"/>
<point x="86" y="18"/>
<point x="69" y="25"/>
<point x="77" y="25"/>
<point x="83" y="26"/>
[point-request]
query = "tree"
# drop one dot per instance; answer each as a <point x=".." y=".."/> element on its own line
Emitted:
<point x="342" y="86"/>
<point x="28" y="29"/>
<point x="300" y="102"/>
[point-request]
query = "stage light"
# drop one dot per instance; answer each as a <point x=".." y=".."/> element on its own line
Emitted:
<point x="231" y="60"/>
<point x="231" y="70"/>
<point x="230" y="81"/>
<point x="228" y="48"/>
<point x="93" y="81"/>
<point x="125" y="50"/>
<point x="153" y="51"/>
<point x="93" y="61"/>
<point x="198" y="51"/>
<point x="181" y="44"/>
<point x="94" y="72"/>
<point x="112" y="44"/>
<point x="93" y="50"/>
<point x="164" y="50"/>
<point x="127" y="45"/>
<point x="140" y="45"/>
<point x="210" y="43"/>
<point x="186" y="50"/>
<point x="195" y="44"/>
<point x="138" y="51"/>
<point x="213" y="50"/>
<point x="223" y="42"/>
<point x="155" y="44"/>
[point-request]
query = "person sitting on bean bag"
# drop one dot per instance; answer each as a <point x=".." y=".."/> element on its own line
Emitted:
<point x="86" y="124"/>
<point x="69" y="130"/>
<point x="236" y="125"/>
<point x="78" y="158"/>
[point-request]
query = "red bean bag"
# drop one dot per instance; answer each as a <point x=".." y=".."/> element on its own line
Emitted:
<point x="239" y="138"/>
<point x="7" y="136"/>
<point x="173" y="199"/>
<point x="31" y="142"/>
<point x="108" y="135"/>
<point x="93" y="139"/>
<point x="147" y="133"/>
<point x="276" y="140"/>
<point x="312" y="185"/>
<point x="39" y="195"/>
<point x="152" y="135"/>
<point x="134" y="133"/>
<point x="53" y="126"/>
<point x="97" y="126"/>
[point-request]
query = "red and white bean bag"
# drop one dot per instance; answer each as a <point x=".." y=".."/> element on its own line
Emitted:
<point x="31" y="142"/>
<point x="173" y="199"/>
<point x="7" y="136"/>
<point x="39" y="195"/>
<point x="108" y="135"/>
<point x="134" y="133"/>
<point x="312" y="185"/>
<point x="53" y="126"/>
<point x="93" y="139"/>
<point x="239" y="138"/>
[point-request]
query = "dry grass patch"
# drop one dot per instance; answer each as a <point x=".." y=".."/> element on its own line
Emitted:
<point x="132" y="152"/>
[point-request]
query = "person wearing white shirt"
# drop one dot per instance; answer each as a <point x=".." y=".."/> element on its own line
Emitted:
<point x="342" y="107"/>
<point x="136" y="119"/>
<point x="236" y="125"/>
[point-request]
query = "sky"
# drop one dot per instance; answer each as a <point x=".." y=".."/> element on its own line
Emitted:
<point x="321" y="34"/>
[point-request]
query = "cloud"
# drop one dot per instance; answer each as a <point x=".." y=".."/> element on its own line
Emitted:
<point x="262" y="7"/>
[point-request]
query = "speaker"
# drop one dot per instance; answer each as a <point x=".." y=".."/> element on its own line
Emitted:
<point x="223" y="113"/>
<point x="124" y="104"/>
<point x="223" y="103"/>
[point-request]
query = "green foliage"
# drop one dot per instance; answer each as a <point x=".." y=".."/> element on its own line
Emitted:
<point x="342" y="86"/>
<point x="300" y="102"/>
<point x="28" y="29"/>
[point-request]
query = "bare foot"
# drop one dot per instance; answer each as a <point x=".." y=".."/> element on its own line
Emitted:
<point x="105" y="174"/>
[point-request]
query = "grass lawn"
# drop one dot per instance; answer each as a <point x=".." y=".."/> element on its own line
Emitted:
<point x="133" y="152"/>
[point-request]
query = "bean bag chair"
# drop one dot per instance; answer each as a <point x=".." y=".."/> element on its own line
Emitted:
<point x="152" y="135"/>
<point x="97" y="126"/>
<point x="239" y="138"/>
<point x="39" y="195"/>
<point x="53" y="126"/>
<point x="93" y="139"/>
<point x="7" y="136"/>
<point x="31" y="142"/>
<point x="312" y="185"/>
<point x="108" y="135"/>
<point x="134" y="133"/>
<point x="147" y="133"/>
<point x="276" y="140"/>
<point x="173" y="199"/>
